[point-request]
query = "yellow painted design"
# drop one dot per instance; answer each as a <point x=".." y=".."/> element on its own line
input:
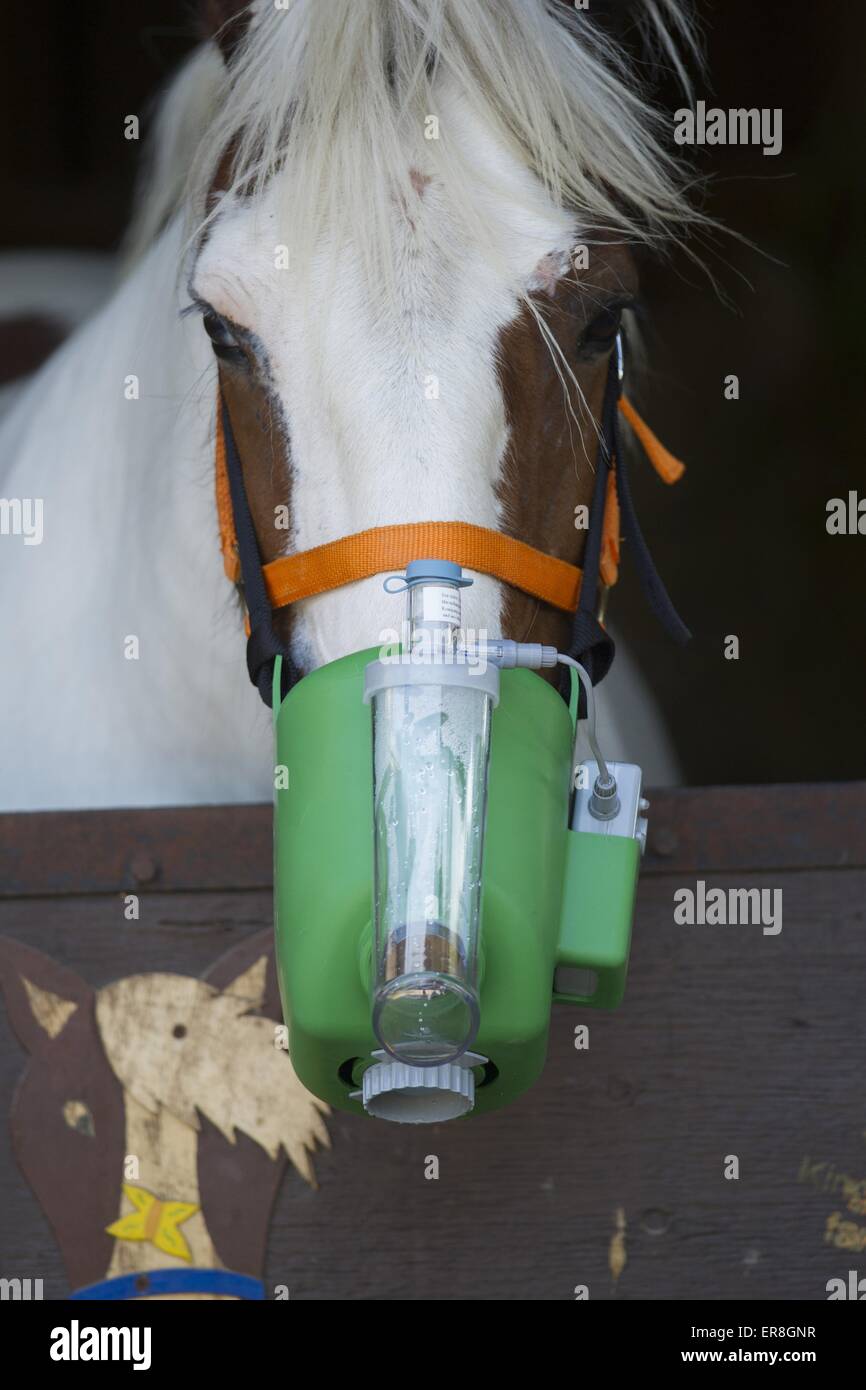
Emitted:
<point x="616" y="1257"/>
<point x="50" y="1011"/>
<point x="824" y="1177"/>
<point x="155" y="1221"/>
<point x="847" y="1235"/>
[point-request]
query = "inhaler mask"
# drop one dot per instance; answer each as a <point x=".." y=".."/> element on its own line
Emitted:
<point x="439" y="880"/>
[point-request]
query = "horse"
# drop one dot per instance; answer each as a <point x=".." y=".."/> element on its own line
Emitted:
<point x="399" y="236"/>
<point x="145" y="1122"/>
<point x="44" y="296"/>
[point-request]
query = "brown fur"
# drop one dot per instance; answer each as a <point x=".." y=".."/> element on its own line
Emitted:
<point x="550" y="465"/>
<point x="550" y="468"/>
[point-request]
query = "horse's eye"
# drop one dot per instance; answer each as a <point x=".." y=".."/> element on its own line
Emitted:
<point x="600" y="333"/>
<point x="223" y="340"/>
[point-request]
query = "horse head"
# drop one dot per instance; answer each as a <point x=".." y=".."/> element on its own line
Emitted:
<point x="154" y="1120"/>
<point x="413" y="255"/>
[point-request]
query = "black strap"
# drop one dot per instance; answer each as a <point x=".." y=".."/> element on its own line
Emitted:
<point x="590" y="644"/>
<point x="655" y="592"/>
<point x="263" y="645"/>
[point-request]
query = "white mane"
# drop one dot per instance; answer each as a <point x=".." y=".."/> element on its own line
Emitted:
<point x="330" y="92"/>
<point x="182" y="116"/>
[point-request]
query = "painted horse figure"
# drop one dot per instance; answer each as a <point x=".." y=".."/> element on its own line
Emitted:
<point x="400" y="233"/>
<point x="145" y="1122"/>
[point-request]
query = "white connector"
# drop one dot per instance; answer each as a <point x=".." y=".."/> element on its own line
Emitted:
<point x="604" y="804"/>
<point x="507" y="655"/>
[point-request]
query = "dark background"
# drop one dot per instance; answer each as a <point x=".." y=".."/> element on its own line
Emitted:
<point x="742" y="542"/>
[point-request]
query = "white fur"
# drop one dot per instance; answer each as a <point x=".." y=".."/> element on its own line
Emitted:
<point x="130" y="549"/>
<point x="131" y="545"/>
<point x="369" y="446"/>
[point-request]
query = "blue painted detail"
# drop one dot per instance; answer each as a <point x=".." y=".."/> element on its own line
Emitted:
<point x="167" y="1281"/>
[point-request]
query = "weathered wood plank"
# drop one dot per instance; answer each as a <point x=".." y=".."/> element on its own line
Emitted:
<point x="788" y="826"/>
<point x="215" y="848"/>
<point x="177" y="849"/>
<point x="728" y="1042"/>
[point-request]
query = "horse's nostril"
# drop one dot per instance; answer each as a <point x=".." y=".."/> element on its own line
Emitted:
<point x="178" y="1031"/>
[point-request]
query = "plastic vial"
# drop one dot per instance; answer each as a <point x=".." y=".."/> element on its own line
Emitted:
<point x="431" y="746"/>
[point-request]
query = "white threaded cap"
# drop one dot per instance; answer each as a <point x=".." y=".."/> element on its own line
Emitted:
<point x="418" y="1095"/>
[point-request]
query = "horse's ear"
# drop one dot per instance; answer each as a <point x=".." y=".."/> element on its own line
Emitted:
<point x="248" y="971"/>
<point x="41" y="995"/>
<point x="225" y="21"/>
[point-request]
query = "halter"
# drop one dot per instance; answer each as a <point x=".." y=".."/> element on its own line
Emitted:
<point x="266" y="588"/>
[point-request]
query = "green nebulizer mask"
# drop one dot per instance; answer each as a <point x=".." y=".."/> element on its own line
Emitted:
<point x="443" y="870"/>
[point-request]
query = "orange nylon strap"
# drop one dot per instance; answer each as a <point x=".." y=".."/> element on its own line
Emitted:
<point x="669" y="469"/>
<point x="608" y="565"/>
<point x="392" y="548"/>
<point x="383" y="548"/>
